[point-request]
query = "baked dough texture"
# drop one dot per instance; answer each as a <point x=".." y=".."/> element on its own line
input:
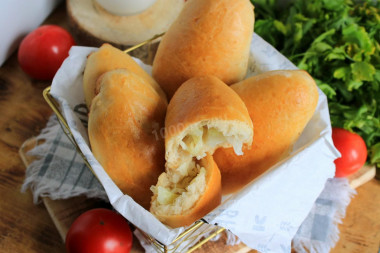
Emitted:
<point x="123" y="120"/>
<point x="208" y="37"/>
<point x="185" y="195"/>
<point x="280" y="104"/>
<point x="109" y="58"/>
<point x="205" y="114"/>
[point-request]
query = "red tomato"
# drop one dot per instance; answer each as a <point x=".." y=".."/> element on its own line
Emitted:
<point x="353" y="150"/>
<point x="42" y="51"/>
<point x="99" y="230"/>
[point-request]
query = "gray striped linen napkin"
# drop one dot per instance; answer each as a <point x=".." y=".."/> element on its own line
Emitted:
<point x="60" y="173"/>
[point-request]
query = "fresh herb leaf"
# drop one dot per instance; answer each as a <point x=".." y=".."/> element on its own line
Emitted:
<point x="362" y="71"/>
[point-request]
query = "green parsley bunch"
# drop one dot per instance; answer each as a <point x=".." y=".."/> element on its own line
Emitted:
<point x="337" y="42"/>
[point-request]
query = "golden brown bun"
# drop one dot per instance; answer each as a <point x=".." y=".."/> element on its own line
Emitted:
<point x="109" y="58"/>
<point x="204" y="114"/>
<point x="122" y="121"/>
<point x="208" y="38"/>
<point x="200" y="197"/>
<point x="280" y="104"/>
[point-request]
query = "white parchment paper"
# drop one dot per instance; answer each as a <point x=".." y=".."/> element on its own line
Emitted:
<point x="266" y="214"/>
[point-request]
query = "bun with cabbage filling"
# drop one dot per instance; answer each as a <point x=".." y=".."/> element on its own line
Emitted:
<point x="203" y="115"/>
<point x="186" y="194"/>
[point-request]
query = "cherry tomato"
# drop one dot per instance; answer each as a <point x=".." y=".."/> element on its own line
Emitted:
<point x="99" y="230"/>
<point x="42" y="51"/>
<point x="353" y="150"/>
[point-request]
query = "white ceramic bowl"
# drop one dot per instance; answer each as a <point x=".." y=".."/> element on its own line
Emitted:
<point x="125" y="7"/>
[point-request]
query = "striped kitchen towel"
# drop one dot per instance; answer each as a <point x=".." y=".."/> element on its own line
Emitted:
<point x="59" y="171"/>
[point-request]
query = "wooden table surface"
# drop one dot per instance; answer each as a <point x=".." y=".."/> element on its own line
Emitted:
<point x="27" y="227"/>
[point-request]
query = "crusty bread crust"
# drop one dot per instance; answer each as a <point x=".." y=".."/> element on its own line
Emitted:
<point x="204" y="100"/>
<point x="109" y="58"/>
<point x="122" y="119"/>
<point x="280" y="104"/>
<point x="209" y="200"/>
<point x="208" y="38"/>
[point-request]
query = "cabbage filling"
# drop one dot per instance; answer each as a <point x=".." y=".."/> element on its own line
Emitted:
<point x="178" y="190"/>
<point x="203" y="139"/>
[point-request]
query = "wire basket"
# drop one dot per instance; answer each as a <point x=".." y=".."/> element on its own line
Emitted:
<point x="193" y="237"/>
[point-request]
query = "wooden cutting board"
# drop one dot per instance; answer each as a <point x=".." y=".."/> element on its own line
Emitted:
<point x="64" y="212"/>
